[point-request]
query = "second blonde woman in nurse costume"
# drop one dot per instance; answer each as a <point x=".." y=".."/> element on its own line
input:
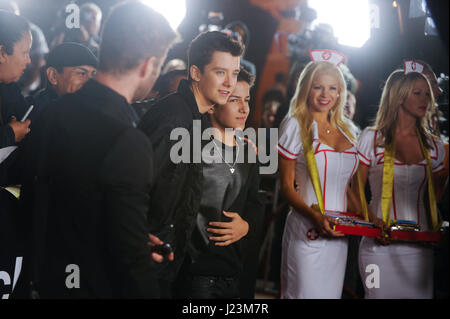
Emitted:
<point x="313" y="254"/>
<point x="405" y="268"/>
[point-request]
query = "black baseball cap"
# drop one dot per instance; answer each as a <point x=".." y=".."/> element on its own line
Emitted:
<point x="71" y="54"/>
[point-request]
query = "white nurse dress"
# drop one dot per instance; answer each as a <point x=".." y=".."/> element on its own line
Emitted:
<point x="313" y="267"/>
<point x="405" y="269"/>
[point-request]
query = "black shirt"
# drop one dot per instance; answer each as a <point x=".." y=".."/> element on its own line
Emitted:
<point x="228" y="186"/>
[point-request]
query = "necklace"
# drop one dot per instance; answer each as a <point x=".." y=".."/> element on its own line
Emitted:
<point x="232" y="169"/>
<point x="322" y="127"/>
<point x="327" y="130"/>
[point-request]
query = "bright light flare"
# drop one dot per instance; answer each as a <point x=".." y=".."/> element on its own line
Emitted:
<point x="173" y="10"/>
<point x="350" y="19"/>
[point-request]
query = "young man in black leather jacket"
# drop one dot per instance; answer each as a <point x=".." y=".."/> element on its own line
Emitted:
<point x="213" y="65"/>
<point x="229" y="206"/>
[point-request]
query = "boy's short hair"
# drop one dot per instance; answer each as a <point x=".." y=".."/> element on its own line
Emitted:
<point x="201" y="49"/>
<point x="133" y="32"/>
<point x="12" y="30"/>
<point x="246" y="76"/>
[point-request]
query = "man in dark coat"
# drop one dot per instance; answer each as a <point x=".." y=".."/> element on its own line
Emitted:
<point x="213" y="65"/>
<point x="96" y="169"/>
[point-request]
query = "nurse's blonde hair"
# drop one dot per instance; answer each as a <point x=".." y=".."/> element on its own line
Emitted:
<point x="396" y="90"/>
<point x="299" y="107"/>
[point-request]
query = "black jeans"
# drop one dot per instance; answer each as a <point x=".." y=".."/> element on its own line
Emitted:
<point x="209" y="287"/>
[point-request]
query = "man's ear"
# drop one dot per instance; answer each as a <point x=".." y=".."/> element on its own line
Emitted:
<point x="147" y="67"/>
<point x="51" y="75"/>
<point x="3" y="54"/>
<point x="195" y="73"/>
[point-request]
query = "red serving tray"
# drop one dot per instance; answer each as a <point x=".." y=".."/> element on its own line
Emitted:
<point x="401" y="235"/>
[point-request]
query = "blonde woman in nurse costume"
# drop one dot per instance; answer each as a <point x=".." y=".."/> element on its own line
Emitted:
<point x="313" y="254"/>
<point x="406" y="269"/>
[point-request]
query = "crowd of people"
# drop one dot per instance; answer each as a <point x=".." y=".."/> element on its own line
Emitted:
<point x="107" y="187"/>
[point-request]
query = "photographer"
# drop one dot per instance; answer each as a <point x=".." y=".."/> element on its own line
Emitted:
<point x="15" y="44"/>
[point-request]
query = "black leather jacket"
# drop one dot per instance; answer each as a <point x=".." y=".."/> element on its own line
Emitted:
<point x="176" y="192"/>
<point x="232" y="188"/>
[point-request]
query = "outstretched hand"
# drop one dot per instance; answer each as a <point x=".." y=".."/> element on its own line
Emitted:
<point x="230" y="231"/>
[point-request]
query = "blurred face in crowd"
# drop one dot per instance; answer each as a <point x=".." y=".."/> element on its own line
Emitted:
<point x="234" y="113"/>
<point x="217" y="80"/>
<point x="71" y="79"/>
<point x="416" y="104"/>
<point x="175" y="82"/>
<point x="350" y="106"/>
<point x="94" y="23"/>
<point x="324" y="93"/>
<point x="270" y="111"/>
<point x="13" y="66"/>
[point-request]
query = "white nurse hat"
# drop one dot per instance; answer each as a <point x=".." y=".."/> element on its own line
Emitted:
<point x="413" y="66"/>
<point x="326" y="55"/>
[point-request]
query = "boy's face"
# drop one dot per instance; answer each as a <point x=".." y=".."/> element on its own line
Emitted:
<point x="234" y="112"/>
<point x="218" y="78"/>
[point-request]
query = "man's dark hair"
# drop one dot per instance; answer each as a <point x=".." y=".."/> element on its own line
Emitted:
<point x="246" y="76"/>
<point x="12" y="30"/>
<point x="133" y="32"/>
<point x="201" y="49"/>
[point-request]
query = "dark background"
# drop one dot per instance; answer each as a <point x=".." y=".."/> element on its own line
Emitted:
<point x="371" y="64"/>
